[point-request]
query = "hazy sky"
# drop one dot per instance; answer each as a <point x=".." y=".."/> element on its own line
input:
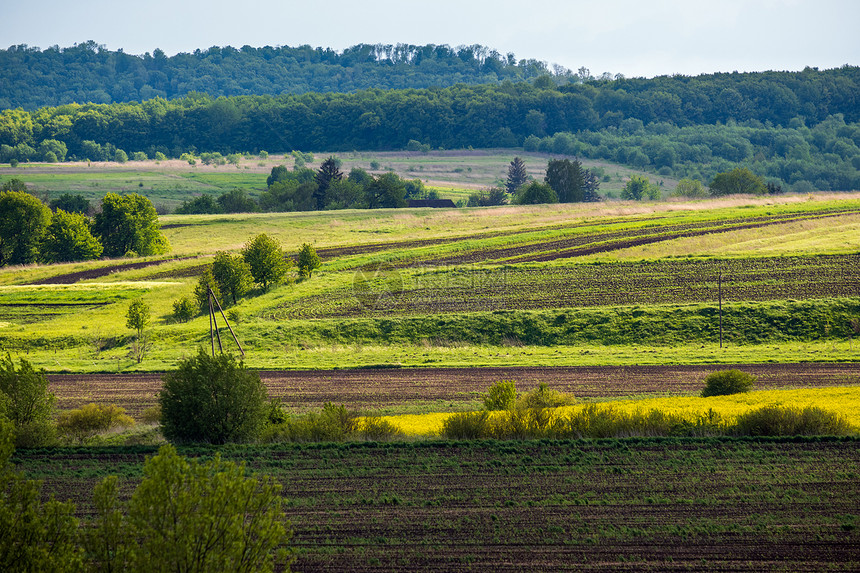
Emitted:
<point x="632" y="37"/>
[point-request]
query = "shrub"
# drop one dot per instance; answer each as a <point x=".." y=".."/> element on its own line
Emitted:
<point x="501" y="396"/>
<point x="727" y="382"/>
<point x="467" y="426"/>
<point x="332" y="424"/>
<point x="91" y="419"/>
<point x="379" y="429"/>
<point x="544" y="397"/>
<point x="183" y="309"/>
<point x="788" y="421"/>
<point x="151" y="415"/>
<point x="212" y="399"/>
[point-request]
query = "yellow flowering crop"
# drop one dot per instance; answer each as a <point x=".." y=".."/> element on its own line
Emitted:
<point x="843" y="400"/>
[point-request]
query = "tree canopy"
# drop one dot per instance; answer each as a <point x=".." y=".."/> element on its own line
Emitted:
<point x="129" y="224"/>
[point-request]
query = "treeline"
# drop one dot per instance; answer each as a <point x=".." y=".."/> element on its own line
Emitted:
<point x="795" y="127"/>
<point x="32" y="78"/>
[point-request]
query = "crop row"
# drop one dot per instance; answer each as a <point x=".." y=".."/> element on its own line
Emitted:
<point x="681" y="504"/>
<point x="626" y="283"/>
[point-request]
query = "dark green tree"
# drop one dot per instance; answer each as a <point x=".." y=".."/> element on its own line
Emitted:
<point x="232" y="274"/>
<point x="308" y="260"/>
<point x="237" y="201"/>
<point x="23" y="222"/>
<point x="534" y="194"/>
<point x="68" y="238"/>
<point x="388" y="191"/>
<point x="566" y="179"/>
<point x="71" y="204"/>
<point x="591" y="184"/>
<point x="266" y="260"/>
<point x="35" y="535"/>
<point x="202" y="205"/>
<point x="129" y="224"/>
<point x="638" y="188"/>
<point x="517" y="175"/>
<point x="328" y="172"/>
<point x="212" y="399"/>
<point x="738" y="181"/>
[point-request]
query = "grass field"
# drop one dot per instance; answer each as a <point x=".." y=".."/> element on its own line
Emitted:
<point x="453" y="174"/>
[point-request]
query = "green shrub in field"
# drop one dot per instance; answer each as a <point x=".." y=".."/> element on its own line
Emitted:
<point x="91" y="419"/>
<point x="183" y="309"/>
<point x="332" y="424"/>
<point x="212" y="399"/>
<point x="151" y="415"/>
<point x="467" y="426"/>
<point x="378" y="429"/>
<point x="788" y="421"/>
<point x="501" y="396"/>
<point x="727" y="382"/>
<point x="544" y="397"/>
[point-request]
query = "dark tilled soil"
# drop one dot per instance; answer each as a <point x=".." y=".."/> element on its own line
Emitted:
<point x="379" y="388"/>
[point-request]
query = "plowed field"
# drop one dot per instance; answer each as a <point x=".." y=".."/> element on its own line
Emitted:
<point x="607" y="505"/>
<point x="376" y="389"/>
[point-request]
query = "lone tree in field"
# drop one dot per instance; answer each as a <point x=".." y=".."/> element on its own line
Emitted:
<point x="308" y="260"/>
<point x="137" y="318"/>
<point x="517" y="175"/>
<point x="266" y="259"/>
<point x="212" y="399"/>
<point x="738" y="181"/>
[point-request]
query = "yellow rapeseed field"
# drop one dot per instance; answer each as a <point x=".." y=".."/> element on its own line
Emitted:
<point x="843" y="400"/>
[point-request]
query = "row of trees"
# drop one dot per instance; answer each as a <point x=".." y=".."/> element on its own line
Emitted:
<point x="501" y="115"/>
<point x="127" y="225"/>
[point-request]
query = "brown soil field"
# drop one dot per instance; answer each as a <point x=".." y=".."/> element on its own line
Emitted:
<point x="375" y="389"/>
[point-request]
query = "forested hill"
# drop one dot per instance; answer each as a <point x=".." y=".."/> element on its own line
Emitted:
<point x="32" y="78"/>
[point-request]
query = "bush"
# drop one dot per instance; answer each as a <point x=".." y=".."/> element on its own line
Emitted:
<point x="91" y="419"/>
<point x="183" y="310"/>
<point x="151" y="415"/>
<point x="544" y="397"/>
<point x="727" y="382"/>
<point x="212" y="400"/>
<point x="332" y="424"/>
<point x="379" y="429"/>
<point x="788" y="421"/>
<point x="467" y="426"/>
<point x="501" y="396"/>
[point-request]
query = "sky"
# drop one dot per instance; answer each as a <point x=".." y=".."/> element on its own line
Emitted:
<point x="636" y="38"/>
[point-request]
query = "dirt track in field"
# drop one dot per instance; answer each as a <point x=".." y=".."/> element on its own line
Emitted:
<point x="302" y="390"/>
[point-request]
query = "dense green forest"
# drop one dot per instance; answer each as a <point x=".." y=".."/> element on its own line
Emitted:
<point x="798" y="128"/>
<point x="32" y="78"/>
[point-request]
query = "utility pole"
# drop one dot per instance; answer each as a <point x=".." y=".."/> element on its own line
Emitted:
<point x="213" y="320"/>
<point x="720" y="290"/>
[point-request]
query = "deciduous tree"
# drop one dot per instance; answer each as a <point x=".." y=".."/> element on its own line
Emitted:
<point x="232" y="274"/>
<point x="308" y="260"/>
<point x="23" y="221"/>
<point x="738" y="181"/>
<point x="129" y="224"/>
<point x="266" y="260"/>
<point x="565" y="178"/>
<point x="68" y="238"/>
